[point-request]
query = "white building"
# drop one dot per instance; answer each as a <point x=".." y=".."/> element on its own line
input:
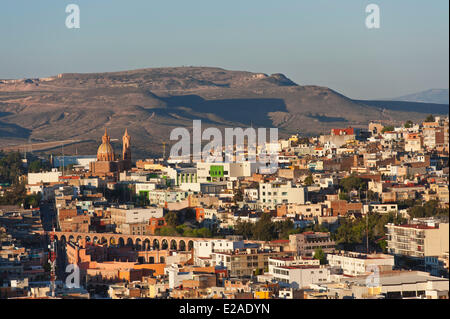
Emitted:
<point x="251" y="194"/>
<point x="300" y="276"/>
<point x="78" y="160"/>
<point x="204" y="248"/>
<point x="220" y="172"/>
<point x="274" y="193"/>
<point x="44" y="177"/>
<point x="175" y="276"/>
<point x="135" y="215"/>
<point x="354" y="264"/>
<point x="380" y="208"/>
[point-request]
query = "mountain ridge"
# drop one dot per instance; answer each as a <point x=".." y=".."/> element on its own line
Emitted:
<point x="153" y="101"/>
<point x="438" y="96"/>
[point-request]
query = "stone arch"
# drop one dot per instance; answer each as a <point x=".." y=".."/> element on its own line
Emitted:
<point x="130" y="242"/>
<point x="151" y="260"/>
<point x="79" y="238"/>
<point x="146" y="245"/>
<point x="182" y="245"/>
<point x="173" y="244"/>
<point x="88" y="239"/>
<point x="103" y="241"/>
<point x="155" y="244"/>
<point x="121" y="242"/>
<point x="71" y="238"/>
<point x="190" y="245"/>
<point x="138" y="244"/>
<point x="63" y="239"/>
<point x="164" y="244"/>
<point x="95" y="240"/>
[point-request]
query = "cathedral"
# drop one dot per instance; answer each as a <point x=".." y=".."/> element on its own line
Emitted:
<point x="107" y="164"/>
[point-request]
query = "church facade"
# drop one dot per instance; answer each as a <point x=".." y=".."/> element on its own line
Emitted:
<point x="107" y="164"/>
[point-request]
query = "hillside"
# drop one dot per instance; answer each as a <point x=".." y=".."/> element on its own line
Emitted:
<point x="438" y="96"/>
<point x="151" y="102"/>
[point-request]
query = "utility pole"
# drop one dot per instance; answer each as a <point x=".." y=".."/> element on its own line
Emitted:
<point x="367" y="221"/>
<point x="164" y="150"/>
<point x="62" y="145"/>
<point x="52" y="261"/>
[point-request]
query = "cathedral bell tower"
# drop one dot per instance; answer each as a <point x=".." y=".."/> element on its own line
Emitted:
<point x="126" y="152"/>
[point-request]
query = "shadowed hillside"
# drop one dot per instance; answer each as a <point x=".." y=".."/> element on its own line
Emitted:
<point x="151" y="102"/>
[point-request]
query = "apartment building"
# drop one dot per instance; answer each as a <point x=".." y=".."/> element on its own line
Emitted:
<point x="413" y="142"/>
<point x="380" y="208"/>
<point x="354" y="264"/>
<point x="275" y="193"/>
<point x="305" y="244"/>
<point x="131" y="215"/>
<point x="44" y="177"/>
<point x="421" y="238"/>
<point x="307" y="210"/>
<point x="300" y="276"/>
<point x="221" y="172"/>
<point x="244" y="263"/>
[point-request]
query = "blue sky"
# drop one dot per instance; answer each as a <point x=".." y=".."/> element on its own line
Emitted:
<point x="321" y="42"/>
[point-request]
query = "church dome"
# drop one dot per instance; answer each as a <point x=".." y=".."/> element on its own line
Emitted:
<point x="105" y="151"/>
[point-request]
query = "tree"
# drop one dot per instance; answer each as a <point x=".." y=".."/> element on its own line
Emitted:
<point x="284" y="228"/>
<point x="408" y="124"/>
<point x="309" y="180"/>
<point x="172" y="219"/>
<point x="245" y="229"/>
<point x="238" y="196"/>
<point x="264" y="228"/>
<point x="430" y="118"/>
<point x="352" y="183"/>
<point x="387" y="129"/>
<point x="344" y="196"/>
<point x="428" y="209"/>
<point x="11" y="167"/>
<point x="353" y="232"/>
<point x="320" y="255"/>
<point x="35" y="166"/>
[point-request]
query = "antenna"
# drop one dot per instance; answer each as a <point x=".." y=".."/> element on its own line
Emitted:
<point x="52" y="261"/>
<point x="62" y="145"/>
<point x="367" y="222"/>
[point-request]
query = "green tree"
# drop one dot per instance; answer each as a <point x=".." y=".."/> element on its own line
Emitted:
<point x="387" y="128"/>
<point x="320" y="255"/>
<point x="284" y="229"/>
<point x="11" y="167"/>
<point x="353" y="183"/>
<point x="238" y="196"/>
<point x="172" y="219"/>
<point x="35" y="166"/>
<point x="245" y="229"/>
<point x="344" y="196"/>
<point x="429" y="118"/>
<point x="409" y="124"/>
<point x="309" y="180"/>
<point x="166" y="231"/>
<point x="428" y="209"/>
<point x="264" y="228"/>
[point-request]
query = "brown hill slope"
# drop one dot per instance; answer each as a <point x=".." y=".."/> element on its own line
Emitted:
<point x="151" y="102"/>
